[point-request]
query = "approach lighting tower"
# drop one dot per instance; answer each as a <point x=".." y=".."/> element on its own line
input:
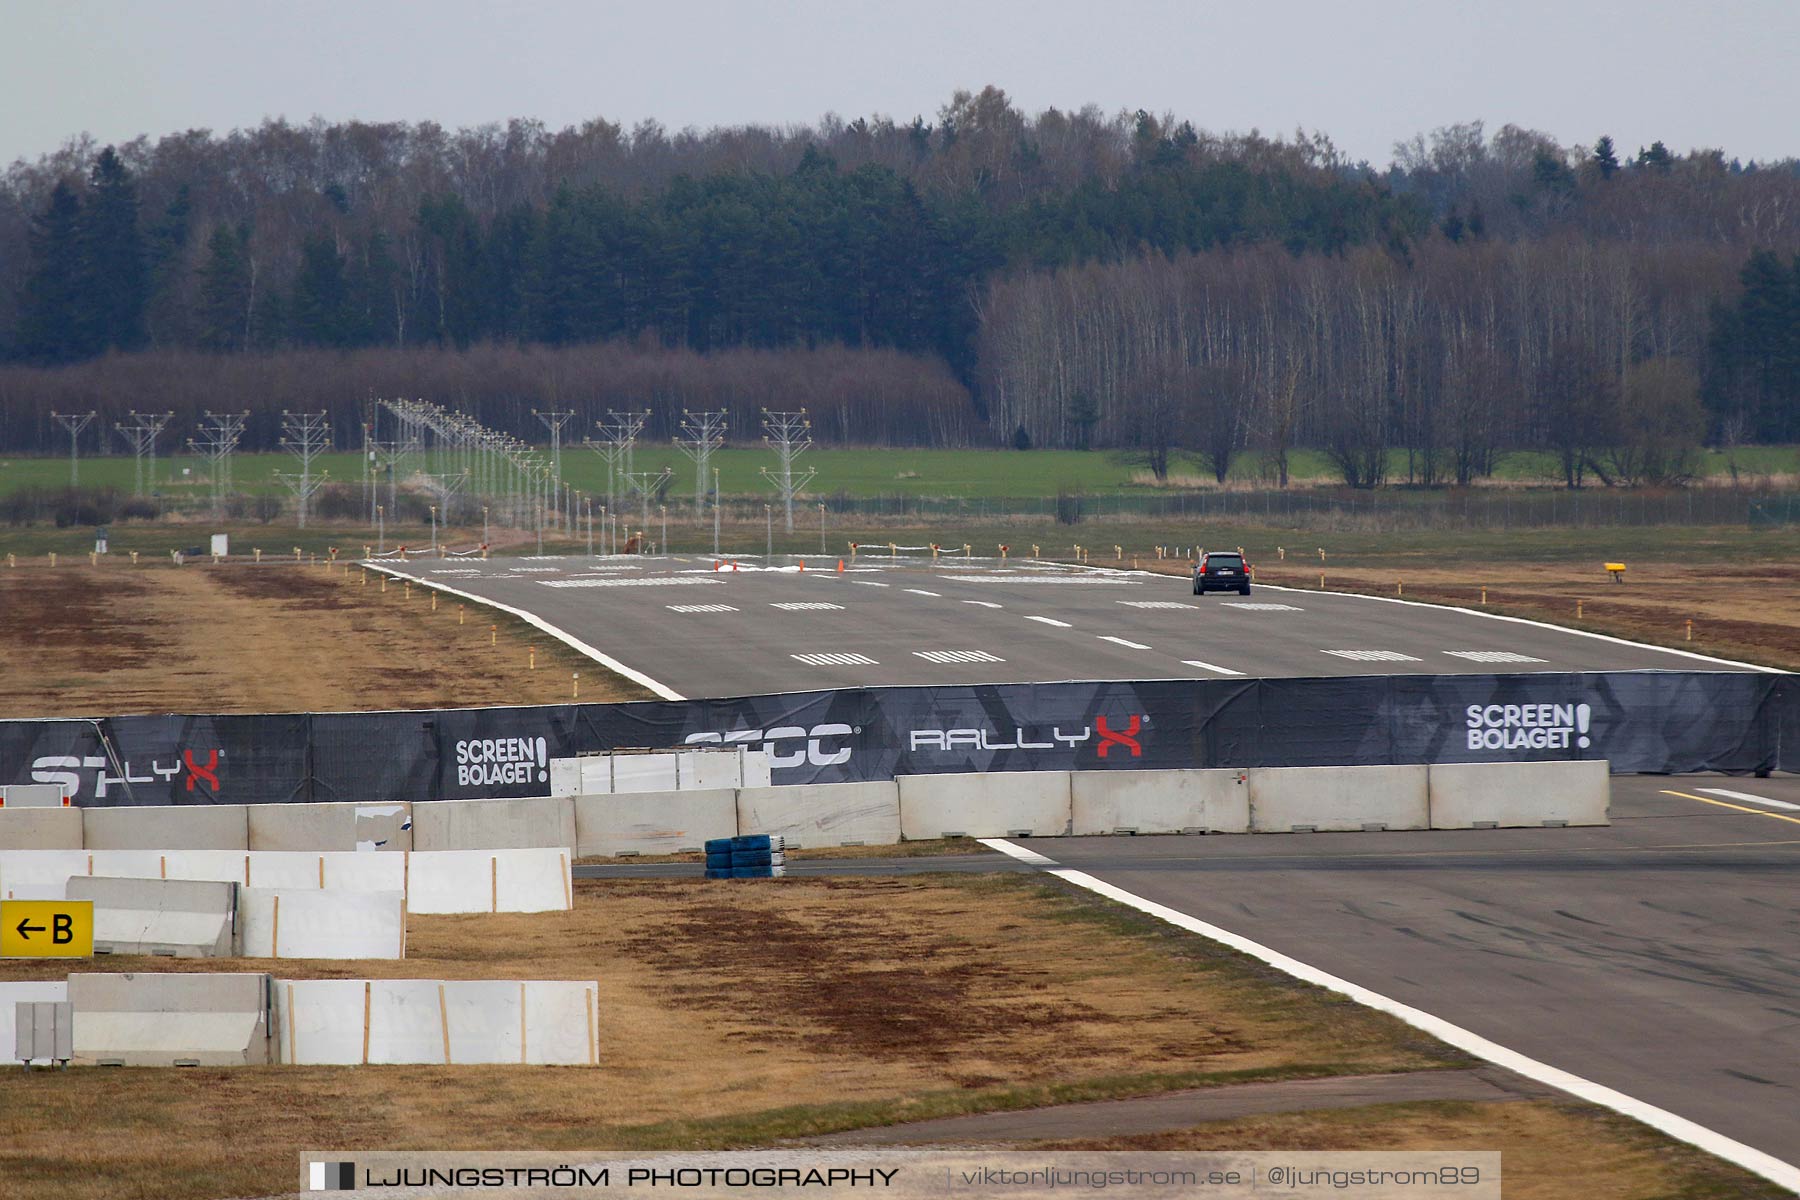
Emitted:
<point x="789" y="434"/>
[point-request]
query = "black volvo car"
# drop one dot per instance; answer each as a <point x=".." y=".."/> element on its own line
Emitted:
<point x="1221" y="571"/>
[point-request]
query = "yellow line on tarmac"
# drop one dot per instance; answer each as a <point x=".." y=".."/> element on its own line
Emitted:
<point x="1740" y="808"/>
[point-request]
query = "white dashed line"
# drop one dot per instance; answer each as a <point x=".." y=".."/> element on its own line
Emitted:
<point x="985" y="603"/>
<point x="957" y="656"/>
<point x="1155" y="604"/>
<point x="1254" y="606"/>
<point x="1493" y="656"/>
<point x="806" y="606"/>
<point x="870" y="583"/>
<point x="1050" y="621"/>
<point x="1372" y="655"/>
<point x="1749" y="799"/>
<point x="699" y="608"/>
<point x="923" y="592"/>
<point x="1206" y="666"/>
<point x="835" y="660"/>
<point x="634" y="582"/>
<point x="1125" y="642"/>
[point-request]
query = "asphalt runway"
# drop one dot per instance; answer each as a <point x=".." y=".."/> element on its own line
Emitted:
<point x="699" y="632"/>
<point x="1659" y="955"/>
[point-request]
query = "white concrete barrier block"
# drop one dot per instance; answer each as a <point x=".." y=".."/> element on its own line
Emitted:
<point x="40" y="829"/>
<point x="176" y="917"/>
<point x="32" y="795"/>
<point x="1507" y="795"/>
<point x="494" y="824"/>
<point x="320" y="1021"/>
<point x="823" y="814"/>
<point x="653" y="822"/>
<point x="460" y="1022"/>
<point x="468" y="881"/>
<point x="302" y="923"/>
<point x="167" y="827"/>
<point x="39" y="869"/>
<point x="1320" y="799"/>
<point x="645" y="772"/>
<point x="406" y="1022"/>
<point x="330" y="826"/>
<point x="166" y="1019"/>
<point x="985" y="804"/>
<point x="1202" y="801"/>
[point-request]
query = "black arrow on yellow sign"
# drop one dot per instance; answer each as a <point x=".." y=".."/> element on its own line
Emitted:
<point x="25" y="930"/>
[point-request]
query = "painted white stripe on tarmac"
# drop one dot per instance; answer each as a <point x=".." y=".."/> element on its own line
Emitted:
<point x="1125" y="642"/>
<point x="984" y="603"/>
<point x="923" y="592"/>
<point x="1051" y="621"/>
<point x="537" y="622"/>
<point x="1749" y="799"/>
<point x="1206" y="666"/>
<point x="1693" y="1133"/>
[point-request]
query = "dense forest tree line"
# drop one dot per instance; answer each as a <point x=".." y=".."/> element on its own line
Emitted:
<point x="946" y="241"/>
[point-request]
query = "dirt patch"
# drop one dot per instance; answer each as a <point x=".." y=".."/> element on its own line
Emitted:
<point x="242" y="637"/>
<point x="733" y="1013"/>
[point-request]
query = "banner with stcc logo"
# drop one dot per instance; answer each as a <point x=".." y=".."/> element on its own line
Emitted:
<point x="788" y="746"/>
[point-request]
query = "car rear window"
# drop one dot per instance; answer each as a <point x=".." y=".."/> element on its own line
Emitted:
<point x="1216" y="561"/>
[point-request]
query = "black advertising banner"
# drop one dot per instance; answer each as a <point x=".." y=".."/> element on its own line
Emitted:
<point x="1640" y="721"/>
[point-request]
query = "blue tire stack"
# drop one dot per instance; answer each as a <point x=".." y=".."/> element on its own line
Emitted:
<point x="752" y="856"/>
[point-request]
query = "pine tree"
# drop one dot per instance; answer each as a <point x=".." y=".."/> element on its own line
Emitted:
<point x="1606" y="160"/>
<point x="320" y="313"/>
<point x="49" y="308"/>
<point x="114" y="283"/>
<point x="225" y="290"/>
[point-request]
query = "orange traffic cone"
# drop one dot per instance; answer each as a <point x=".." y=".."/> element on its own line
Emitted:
<point x="803" y="566"/>
<point x="715" y="564"/>
<point x="840" y="566"/>
<point x="734" y="564"/>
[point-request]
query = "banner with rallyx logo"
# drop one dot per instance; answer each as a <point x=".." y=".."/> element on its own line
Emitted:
<point x="1640" y="721"/>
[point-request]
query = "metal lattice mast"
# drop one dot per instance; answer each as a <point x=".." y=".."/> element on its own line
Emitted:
<point x="789" y="434"/>
<point x="305" y="436"/>
<point x="554" y="422"/>
<point x="618" y="436"/>
<point x="140" y="431"/>
<point x="74" y="423"/>
<point x="702" y="433"/>
<point x="644" y="484"/>
<point x="218" y="438"/>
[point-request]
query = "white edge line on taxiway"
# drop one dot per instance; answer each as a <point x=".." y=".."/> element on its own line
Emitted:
<point x="1694" y="1134"/>
<point x="537" y="622"/>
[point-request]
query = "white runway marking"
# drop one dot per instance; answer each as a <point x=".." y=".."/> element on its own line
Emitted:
<point x="1493" y="656"/>
<point x="806" y="606"/>
<point x="1372" y="655"/>
<point x="537" y="570"/>
<point x="923" y="592"/>
<point x="633" y="582"/>
<point x="1691" y="1132"/>
<point x="1206" y="666"/>
<point x="870" y="583"/>
<point x="1126" y="642"/>
<point x="1000" y="578"/>
<point x="699" y="608"/>
<point x="823" y="659"/>
<point x="1254" y="606"/>
<point x="985" y="603"/>
<point x="1155" y="604"/>
<point x="1749" y="799"/>
<point x="1050" y="621"/>
<point x="956" y="656"/>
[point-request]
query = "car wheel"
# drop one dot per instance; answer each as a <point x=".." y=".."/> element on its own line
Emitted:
<point x="1244" y="591"/>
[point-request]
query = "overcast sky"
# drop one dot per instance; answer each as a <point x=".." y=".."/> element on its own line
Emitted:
<point x="1713" y="73"/>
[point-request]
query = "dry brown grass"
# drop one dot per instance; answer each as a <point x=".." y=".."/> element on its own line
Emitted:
<point x="1748" y="610"/>
<point x="1549" y="1150"/>
<point x="262" y="638"/>
<point x="732" y="1014"/>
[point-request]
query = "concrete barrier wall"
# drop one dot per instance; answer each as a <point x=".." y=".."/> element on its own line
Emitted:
<point x="40" y="829"/>
<point x="302" y="923"/>
<point x="354" y="1021"/>
<point x="826" y="814"/>
<point x="168" y="827"/>
<point x="471" y="881"/>
<point x="182" y="918"/>
<point x="25" y="873"/>
<point x="979" y="804"/>
<point x="494" y="824"/>
<point x="330" y="826"/>
<point x="1290" y="799"/>
<point x="11" y="993"/>
<point x="1159" y="802"/>
<point x="645" y="773"/>
<point x="653" y="822"/>
<point x="153" y="1019"/>
<point x="32" y="795"/>
<point x="1503" y="795"/>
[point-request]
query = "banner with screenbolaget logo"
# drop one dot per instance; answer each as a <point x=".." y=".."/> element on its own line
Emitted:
<point x="1639" y="721"/>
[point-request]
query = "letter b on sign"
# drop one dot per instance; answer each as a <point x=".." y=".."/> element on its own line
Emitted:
<point x="62" y="929"/>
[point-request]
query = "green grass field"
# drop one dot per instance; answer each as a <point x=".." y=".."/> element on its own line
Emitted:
<point x="858" y="472"/>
